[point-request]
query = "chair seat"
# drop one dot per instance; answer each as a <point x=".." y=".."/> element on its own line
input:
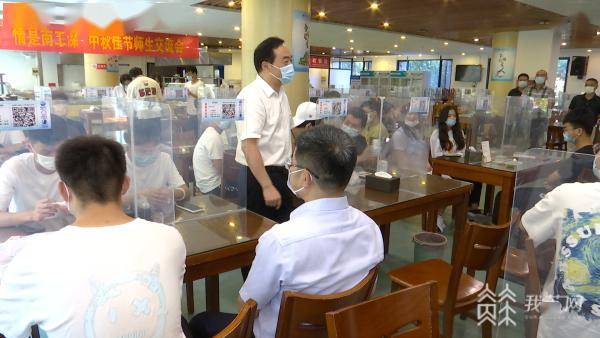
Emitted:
<point x="515" y="263"/>
<point x="439" y="271"/>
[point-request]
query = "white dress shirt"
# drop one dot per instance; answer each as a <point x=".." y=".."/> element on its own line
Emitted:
<point x="114" y="281"/>
<point x="267" y="118"/>
<point x="570" y="215"/>
<point x="326" y="247"/>
<point x="209" y="147"/>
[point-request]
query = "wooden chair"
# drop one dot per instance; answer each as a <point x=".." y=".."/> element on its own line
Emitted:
<point x="555" y="138"/>
<point x="242" y="325"/>
<point x="392" y="315"/>
<point x="303" y="316"/>
<point x="481" y="249"/>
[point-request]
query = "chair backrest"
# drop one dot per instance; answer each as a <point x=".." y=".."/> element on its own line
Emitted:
<point x="409" y="313"/>
<point x="242" y="325"/>
<point x="303" y="315"/>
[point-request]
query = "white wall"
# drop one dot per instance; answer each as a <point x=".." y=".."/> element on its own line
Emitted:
<point x="538" y="50"/>
<point x="575" y="85"/>
<point x="50" y="63"/>
<point x="234" y="71"/>
<point x="17" y="67"/>
<point x="318" y="77"/>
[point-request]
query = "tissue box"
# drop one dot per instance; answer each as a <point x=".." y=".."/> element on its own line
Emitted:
<point x="382" y="184"/>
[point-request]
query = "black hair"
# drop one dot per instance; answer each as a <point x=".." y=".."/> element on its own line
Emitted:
<point x="264" y="51"/>
<point x="361" y="144"/>
<point x="593" y="80"/>
<point x="359" y="114"/>
<point x="135" y="72"/>
<point x="581" y="118"/>
<point x="333" y="94"/>
<point x="313" y="123"/>
<point x="523" y="74"/>
<point x="57" y="133"/>
<point x="191" y="69"/>
<point x="329" y="154"/>
<point x="373" y="104"/>
<point x="146" y="130"/>
<point x="125" y="77"/>
<point x="93" y="168"/>
<point x="456" y="131"/>
<point x="59" y="95"/>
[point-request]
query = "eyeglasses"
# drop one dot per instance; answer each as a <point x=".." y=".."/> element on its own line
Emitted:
<point x="289" y="164"/>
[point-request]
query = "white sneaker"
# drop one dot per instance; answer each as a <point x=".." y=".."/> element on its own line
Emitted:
<point x="440" y="223"/>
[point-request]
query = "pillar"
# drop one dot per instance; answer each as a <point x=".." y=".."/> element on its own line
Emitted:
<point x="264" y="18"/>
<point x="504" y="53"/>
<point x="538" y="50"/>
<point x="95" y="77"/>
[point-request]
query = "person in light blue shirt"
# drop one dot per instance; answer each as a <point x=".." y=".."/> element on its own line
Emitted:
<point x="326" y="247"/>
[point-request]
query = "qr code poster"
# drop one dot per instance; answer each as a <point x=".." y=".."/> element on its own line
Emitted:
<point x="94" y="93"/>
<point x="484" y="103"/>
<point x="332" y="108"/>
<point x="419" y="105"/>
<point x="175" y="93"/>
<point x="24" y="115"/>
<point x="222" y="109"/>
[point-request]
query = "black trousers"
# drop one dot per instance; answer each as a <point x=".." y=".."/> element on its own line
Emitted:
<point x="208" y="324"/>
<point x="255" y="201"/>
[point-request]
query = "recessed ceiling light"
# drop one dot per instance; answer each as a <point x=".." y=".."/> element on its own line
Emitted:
<point x="432" y="50"/>
<point x="589" y="50"/>
<point x="351" y="48"/>
<point x="597" y="32"/>
<point x="476" y="39"/>
<point x="240" y="39"/>
<point x="445" y="43"/>
<point x="229" y="50"/>
<point x="345" y="52"/>
<point x="481" y="48"/>
<point x="374" y="6"/>
<point x="231" y="3"/>
<point x="403" y="37"/>
<point x="349" y="30"/>
<point x="563" y="43"/>
<point x="202" y="44"/>
<point x="333" y="47"/>
<point x="322" y="53"/>
<point x="395" y="46"/>
<point x="420" y="55"/>
<point x="236" y="28"/>
<point x="199" y="34"/>
<point x="220" y="42"/>
<point x="240" y="47"/>
<point x="386" y="24"/>
<point x="463" y="53"/>
<point x="368" y="51"/>
<point x="351" y="41"/>
<point x="321" y="14"/>
<point x="355" y="56"/>
<point x="199" y="10"/>
<point x="387" y="51"/>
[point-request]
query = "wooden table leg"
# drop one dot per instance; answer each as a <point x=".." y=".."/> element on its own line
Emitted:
<point x="385" y="233"/>
<point x="508" y="191"/>
<point x="211" y="285"/>
<point x="489" y="199"/>
<point x="431" y="224"/>
<point x="460" y="219"/>
<point x="189" y="291"/>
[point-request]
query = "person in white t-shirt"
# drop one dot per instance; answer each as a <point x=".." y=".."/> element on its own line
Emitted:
<point x="208" y="158"/>
<point x="29" y="195"/>
<point x="11" y="142"/>
<point x="107" y="274"/>
<point x="193" y="83"/>
<point x="156" y="177"/>
<point x="142" y="87"/>
<point x="120" y="90"/>
<point x="326" y="247"/>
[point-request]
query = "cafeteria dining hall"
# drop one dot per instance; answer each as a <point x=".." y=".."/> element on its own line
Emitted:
<point x="300" y="169"/>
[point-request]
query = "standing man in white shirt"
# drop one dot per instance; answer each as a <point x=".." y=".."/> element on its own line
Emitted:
<point x="208" y="159"/>
<point x="142" y="87"/>
<point x="264" y="136"/>
<point x="193" y="82"/>
<point x="120" y="90"/>
<point x="106" y="275"/>
<point x="326" y="247"/>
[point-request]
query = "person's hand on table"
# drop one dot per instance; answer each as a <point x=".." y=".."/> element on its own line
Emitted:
<point x="272" y="197"/>
<point x="43" y="209"/>
<point x="159" y="197"/>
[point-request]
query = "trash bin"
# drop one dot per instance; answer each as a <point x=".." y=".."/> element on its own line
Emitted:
<point x="429" y="245"/>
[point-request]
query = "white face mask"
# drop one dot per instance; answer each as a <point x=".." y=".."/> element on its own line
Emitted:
<point x="522" y="84"/>
<point x="540" y="80"/>
<point x="589" y="89"/>
<point x="289" y="182"/>
<point x="46" y="162"/>
<point x="349" y="130"/>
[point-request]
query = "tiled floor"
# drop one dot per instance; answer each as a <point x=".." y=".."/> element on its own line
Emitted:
<point x="401" y="252"/>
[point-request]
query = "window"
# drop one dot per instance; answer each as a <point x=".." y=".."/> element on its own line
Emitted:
<point x="341" y="63"/>
<point x="357" y="67"/>
<point x="440" y="70"/>
<point x="562" y="72"/>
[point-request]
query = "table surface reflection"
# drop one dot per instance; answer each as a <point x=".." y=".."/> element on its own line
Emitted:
<point x="511" y="165"/>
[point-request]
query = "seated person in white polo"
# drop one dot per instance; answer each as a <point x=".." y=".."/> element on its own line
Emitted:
<point x="208" y="158"/>
<point x="29" y="197"/>
<point x="326" y="247"/>
<point x="107" y="274"/>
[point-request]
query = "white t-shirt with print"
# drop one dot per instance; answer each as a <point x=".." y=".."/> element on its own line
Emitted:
<point x="209" y="147"/>
<point x="22" y="185"/>
<point x="162" y="173"/>
<point x="570" y="214"/>
<point x="143" y="87"/>
<point x="113" y="281"/>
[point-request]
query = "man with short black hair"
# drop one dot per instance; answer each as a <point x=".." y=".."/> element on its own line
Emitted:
<point x="326" y="247"/>
<point x="120" y="90"/>
<point x="589" y="100"/>
<point x="142" y="87"/>
<point x="264" y="136"/>
<point x="355" y="122"/>
<point x="106" y="275"/>
<point x="193" y="83"/>
<point x="522" y="84"/>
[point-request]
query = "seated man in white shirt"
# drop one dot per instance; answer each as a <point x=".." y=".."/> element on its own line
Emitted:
<point x="157" y="180"/>
<point x="208" y="158"/>
<point x="326" y="247"/>
<point x="142" y="87"/>
<point x="29" y="196"/>
<point x="87" y="279"/>
<point x="11" y="142"/>
<point x="120" y="90"/>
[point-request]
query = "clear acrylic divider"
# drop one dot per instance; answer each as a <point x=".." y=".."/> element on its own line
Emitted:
<point x="525" y="125"/>
<point x="550" y="282"/>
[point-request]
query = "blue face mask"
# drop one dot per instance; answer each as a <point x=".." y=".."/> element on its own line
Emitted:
<point x="568" y="138"/>
<point x="144" y="160"/>
<point x="224" y="125"/>
<point x="287" y="73"/>
<point x="450" y="122"/>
